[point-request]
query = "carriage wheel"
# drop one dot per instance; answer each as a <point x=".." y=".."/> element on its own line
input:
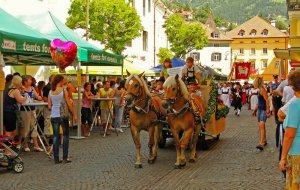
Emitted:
<point x="18" y="167"/>
<point x="202" y="142"/>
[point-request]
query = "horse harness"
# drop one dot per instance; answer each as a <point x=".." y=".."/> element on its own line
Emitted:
<point x="190" y="105"/>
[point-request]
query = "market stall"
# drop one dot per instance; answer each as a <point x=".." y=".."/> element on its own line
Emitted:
<point x="20" y="45"/>
<point x="29" y="45"/>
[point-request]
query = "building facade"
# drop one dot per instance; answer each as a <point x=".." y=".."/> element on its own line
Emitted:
<point x="144" y="49"/>
<point x="255" y="41"/>
<point x="293" y="52"/>
<point x="217" y="54"/>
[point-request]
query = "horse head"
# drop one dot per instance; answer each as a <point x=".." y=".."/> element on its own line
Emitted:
<point x="135" y="86"/>
<point x="174" y="88"/>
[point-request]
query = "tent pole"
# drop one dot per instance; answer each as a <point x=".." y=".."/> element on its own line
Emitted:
<point x="122" y="68"/>
<point x="78" y="104"/>
<point x="2" y="87"/>
<point x="1" y="112"/>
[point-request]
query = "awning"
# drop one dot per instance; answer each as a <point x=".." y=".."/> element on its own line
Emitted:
<point x="291" y="53"/>
<point x="175" y="63"/>
<point x="20" y="44"/>
<point x="47" y="24"/>
<point x="133" y="68"/>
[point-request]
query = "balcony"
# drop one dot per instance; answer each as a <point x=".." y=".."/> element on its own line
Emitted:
<point x="293" y="5"/>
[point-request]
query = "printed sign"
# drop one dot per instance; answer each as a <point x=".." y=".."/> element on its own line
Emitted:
<point x="9" y="44"/>
<point x="174" y="71"/>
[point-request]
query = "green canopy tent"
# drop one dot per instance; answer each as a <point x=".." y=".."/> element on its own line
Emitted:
<point x="47" y="24"/>
<point x="20" y="45"/>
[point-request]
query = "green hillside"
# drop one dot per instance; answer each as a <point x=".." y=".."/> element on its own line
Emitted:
<point x="239" y="10"/>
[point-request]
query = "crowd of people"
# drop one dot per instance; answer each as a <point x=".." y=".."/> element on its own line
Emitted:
<point x="20" y="119"/>
<point x="278" y="98"/>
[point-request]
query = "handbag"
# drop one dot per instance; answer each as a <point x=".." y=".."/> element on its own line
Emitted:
<point x="64" y="108"/>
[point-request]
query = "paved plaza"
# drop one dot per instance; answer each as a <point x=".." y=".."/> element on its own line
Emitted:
<point x="108" y="163"/>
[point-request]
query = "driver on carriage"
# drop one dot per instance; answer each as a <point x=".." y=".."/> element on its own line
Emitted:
<point x="190" y="71"/>
<point x="193" y="87"/>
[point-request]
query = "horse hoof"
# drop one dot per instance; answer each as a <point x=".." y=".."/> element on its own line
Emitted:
<point x="177" y="166"/>
<point x="151" y="161"/>
<point x="182" y="164"/>
<point x="138" y="166"/>
<point x="192" y="160"/>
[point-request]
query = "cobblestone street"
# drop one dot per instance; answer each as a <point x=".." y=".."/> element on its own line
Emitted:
<point x="108" y="163"/>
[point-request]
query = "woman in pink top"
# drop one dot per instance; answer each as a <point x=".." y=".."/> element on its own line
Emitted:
<point x="86" y="110"/>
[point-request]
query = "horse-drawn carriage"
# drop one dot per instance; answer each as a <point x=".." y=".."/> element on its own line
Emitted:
<point x="214" y="119"/>
<point x="187" y="114"/>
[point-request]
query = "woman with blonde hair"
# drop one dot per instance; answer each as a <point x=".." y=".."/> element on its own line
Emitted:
<point x="290" y="156"/>
<point x="12" y="97"/>
<point x="263" y="111"/>
<point x="28" y="115"/>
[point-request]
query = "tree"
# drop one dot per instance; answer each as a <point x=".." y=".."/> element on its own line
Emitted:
<point x="281" y="23"/>
<point x="184" y="37"/>
<point x="113" y="22"/>
<point x="163" y="54"/>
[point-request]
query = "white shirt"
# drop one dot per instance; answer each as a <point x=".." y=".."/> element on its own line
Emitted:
<point x="285" y="108"/>
<point x="288" y="93"/>
<point x="282" y="85"/>
<point x="185" y="69"/>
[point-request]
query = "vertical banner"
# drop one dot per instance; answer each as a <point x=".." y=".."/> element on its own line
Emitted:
<point x="242" y="70"/>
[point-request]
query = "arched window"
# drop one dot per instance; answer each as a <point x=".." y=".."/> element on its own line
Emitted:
<point x="265" y="32"/>
<point x="242" y="32"/>
<point x="253" y="32"/>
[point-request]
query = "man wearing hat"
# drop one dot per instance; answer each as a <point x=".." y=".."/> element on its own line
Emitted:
<point x="193" y="84"/>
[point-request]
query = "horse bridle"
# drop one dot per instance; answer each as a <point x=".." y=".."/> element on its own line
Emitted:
<point x="172" y="101"/>
<point x="135" y="101"/>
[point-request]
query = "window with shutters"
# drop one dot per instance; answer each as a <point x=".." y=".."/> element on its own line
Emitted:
<point x="216" y="57"/>
<point x="265" y="51"/>
<point x="241" y="51"/>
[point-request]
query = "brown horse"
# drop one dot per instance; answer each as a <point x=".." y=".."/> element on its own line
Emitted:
<point x="182" y="109"/>
<point x="143" y="115"/>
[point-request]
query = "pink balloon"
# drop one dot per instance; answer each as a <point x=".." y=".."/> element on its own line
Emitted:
<point x="63" y="53"/>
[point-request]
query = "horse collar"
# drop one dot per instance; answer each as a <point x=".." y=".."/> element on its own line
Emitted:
<point x="145" y="109"/>
<point x="182" y="111"/>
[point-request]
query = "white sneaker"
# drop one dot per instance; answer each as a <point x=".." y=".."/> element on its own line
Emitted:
<point x="27" y="149"/>
<point x="120" y="130"/>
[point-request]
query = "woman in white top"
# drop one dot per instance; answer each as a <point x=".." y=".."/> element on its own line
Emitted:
<point x="225" y="95"/>
<point x="55" y="100"/>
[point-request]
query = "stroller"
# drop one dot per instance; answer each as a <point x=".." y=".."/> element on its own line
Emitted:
<point x="8" y="157"/>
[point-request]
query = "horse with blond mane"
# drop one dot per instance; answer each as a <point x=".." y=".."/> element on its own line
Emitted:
<point x="144" y="114"/>
<point x="184" y="114"/>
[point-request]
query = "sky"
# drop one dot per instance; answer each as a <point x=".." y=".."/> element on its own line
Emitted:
<point x="24" y="7"/>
